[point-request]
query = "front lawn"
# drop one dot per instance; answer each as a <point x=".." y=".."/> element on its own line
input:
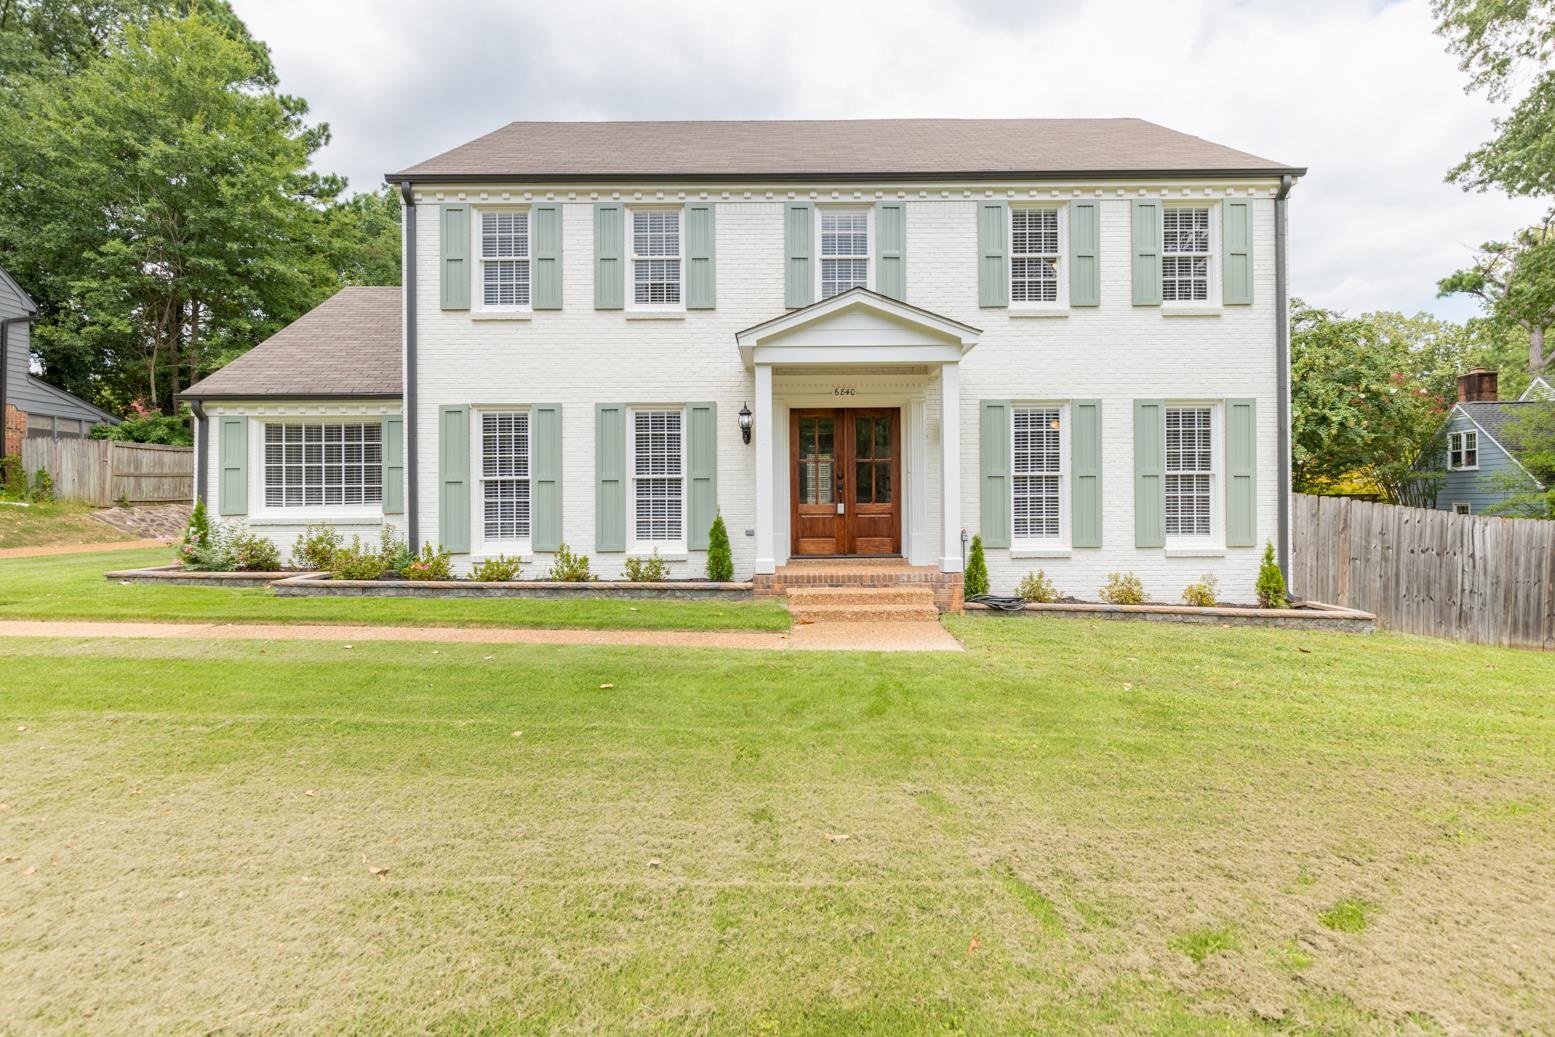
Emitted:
<point x="72" y="587"/>
<point x="1072" y="827"/>
<point x="51" y="523"/>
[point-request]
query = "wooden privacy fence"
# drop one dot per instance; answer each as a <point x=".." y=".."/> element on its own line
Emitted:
<point x="101" y="472"/>
<point x="1466" y="577"/>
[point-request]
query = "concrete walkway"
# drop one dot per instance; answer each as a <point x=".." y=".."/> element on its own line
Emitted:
<point x="76" y="549"/>
<point x="866" y="637"/>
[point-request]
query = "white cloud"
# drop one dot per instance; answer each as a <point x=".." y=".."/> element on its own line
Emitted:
<point x="1363" y="94"/>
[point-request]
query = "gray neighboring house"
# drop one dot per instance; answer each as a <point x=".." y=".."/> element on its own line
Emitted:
<point x="33" y="407"/>
<point x="1479" y="459"/>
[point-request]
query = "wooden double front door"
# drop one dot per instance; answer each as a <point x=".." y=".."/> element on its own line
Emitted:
<point x="845" y="481"/>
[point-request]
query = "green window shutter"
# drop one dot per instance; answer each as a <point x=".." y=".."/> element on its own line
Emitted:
<point x="545" y="474"/>
<point x="1146" y="213"/>
<point x="891" y="249"/>
<point x="1085" y="253"/>
<point x="701" y="279"/>
<point x="393" y="464"/>
<point x="545" y="250"/>
<point x="454" y="243"/>
<point x="1085" y="473"/>
<point x="453" y="478"/>
<point x="993" y="261"/>
<point x="232" y="496"/>
<point x="609" y="477"/>
<point x="1241" y="473"/>
<point x="609" y="256"/>
<point x="702" y="467"/>
<point x="1149" y="473"/>
<point x="994" y="450"/>
<point x="798" y="276"/>
<point x="1236" y="234"/>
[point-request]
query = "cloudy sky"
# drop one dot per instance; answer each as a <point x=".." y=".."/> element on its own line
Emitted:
<point x="1359" y="91"/>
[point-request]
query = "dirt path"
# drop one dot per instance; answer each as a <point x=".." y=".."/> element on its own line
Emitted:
<point x="871" y="637"/>
<point x="71" y="549"/>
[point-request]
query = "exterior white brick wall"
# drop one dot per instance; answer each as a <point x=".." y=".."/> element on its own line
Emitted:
<point x="1114" y="352"/>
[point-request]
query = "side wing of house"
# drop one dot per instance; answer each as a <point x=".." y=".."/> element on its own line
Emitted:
<point x="40" y="408"/>
<point x="1477" y="481"/>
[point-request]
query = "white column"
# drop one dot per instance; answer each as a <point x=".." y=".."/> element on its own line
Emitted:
<point x="950" y="466"/>
<point x="921" y="549"/>
<point x="766" y="560"/>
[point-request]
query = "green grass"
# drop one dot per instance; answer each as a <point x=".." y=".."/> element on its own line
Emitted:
<point x="54" y="522"/>
<point x="1347" y="916"/>
<point x="1095" y="805"/>
<point x="72" y="587"/>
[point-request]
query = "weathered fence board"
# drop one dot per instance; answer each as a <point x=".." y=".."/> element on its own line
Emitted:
<point x="1467" y="577"/>
<point x="102" y="472"/>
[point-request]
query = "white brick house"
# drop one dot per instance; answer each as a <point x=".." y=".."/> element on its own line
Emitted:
<point x="1096" y="305"/>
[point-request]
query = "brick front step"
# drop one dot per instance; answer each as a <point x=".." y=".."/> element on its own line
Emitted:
<point x="861" y="574"/>
<point x="883" y="613"/>
<point x="800" y="597"/>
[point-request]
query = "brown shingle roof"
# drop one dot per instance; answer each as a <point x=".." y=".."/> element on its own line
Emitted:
<point x="348" y="345"/>
<point x="836" y="149"/>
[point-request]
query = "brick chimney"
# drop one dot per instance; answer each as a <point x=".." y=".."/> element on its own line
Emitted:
<point x="1477" y="386"/>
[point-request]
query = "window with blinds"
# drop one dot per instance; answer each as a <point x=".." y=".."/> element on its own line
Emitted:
<point x="322" y="464"/>
<point x="1037" y="473"/>
<point x="505" y="475"/>
<point x="1033" y="256"/>
<point x="504" y="260"/>
<point x="1190" y="471"/>
<point x="1185" y="254"/>
<point x="658" y="477"/>
<point x="844" y="250"/>
<point x="656" y="257"/>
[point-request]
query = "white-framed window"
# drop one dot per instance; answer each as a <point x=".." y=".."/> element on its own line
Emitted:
<point x="654" y="239"/>
<point x="1039" y="459"/>
<point x="1462" y="507"/>
<point x="844" y="251"/>
<point x="1187" y="254"/>
<point x="1463" y="450"/>
<point x="1037" y="242"/>
<point x="1190" y="472"/>
<point x="504" y="477"/>
<point x="502" y="259"/>
<point x="310" y="464"/>
<point x="656" y="448"/>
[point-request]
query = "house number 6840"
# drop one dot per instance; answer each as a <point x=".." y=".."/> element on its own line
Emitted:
<point x="844" y="390"/>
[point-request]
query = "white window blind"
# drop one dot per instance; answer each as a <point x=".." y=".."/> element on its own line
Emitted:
<point x="1033" y="255"/>
<point x="657" y="476"/>
<point x="1037" y="473"/>
<point x="308" y="465"/>
<point x="1463" y="449"/>
<point x="844" y="250"/>
<point x="505" y="259"/>
<point x="1185" y="254"/>
<point x="505" y="474"/>
<point x="656" y="258"/>
<point x="1190" y="471"/>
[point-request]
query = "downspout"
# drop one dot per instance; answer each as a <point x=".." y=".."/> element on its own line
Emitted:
<point x="202" y="450"/>
<point x="1282" y="363"/>
<point x="408" y="407"/>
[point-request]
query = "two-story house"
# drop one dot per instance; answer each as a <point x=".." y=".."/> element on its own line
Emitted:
<point x="850" y="338"/>
<point x="1484" y="471"/>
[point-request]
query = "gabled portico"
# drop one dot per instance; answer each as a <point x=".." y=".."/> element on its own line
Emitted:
<point x="850" y="393"/>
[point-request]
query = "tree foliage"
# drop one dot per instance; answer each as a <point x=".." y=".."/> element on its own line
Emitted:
<point x="1515" y="281"/>
<point x="1530" y="436"/>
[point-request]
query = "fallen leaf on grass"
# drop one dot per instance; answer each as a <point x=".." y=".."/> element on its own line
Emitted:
<point x="32" y="869"/>
<point x="518" y="734"/>
<point x="604" y="687"/>
<point x="6" y="860"/>
<point x="348" y="648"/>
<point x="381" y="873"/>
<point x="654" y="862"/>
<point x="136" y="792"/>
<point x="21" y="727"/>
<point x="974" y="945"/>
<point x="1127" y="686"/>
<point x="309" y="792"/>
<point x="836" y="837"/>
<point x="1306" y="651"/>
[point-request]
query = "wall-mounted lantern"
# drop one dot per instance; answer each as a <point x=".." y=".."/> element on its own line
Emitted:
<point x="745" y="423"/>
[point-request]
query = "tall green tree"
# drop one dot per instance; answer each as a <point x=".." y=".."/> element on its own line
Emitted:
<point x="1515" y="281"/>
<point x="1531" y="438"/>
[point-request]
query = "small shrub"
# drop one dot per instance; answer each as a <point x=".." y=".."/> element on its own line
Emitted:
<point x="1271" y="582"/>
<point x="1037" y="587"/>
<point x="42" y="486"/>
<point x="358" y="562"/>
<point x="975" y="581"/>
<point x="315" y="548"/>
<point x="197" y="535"/>
<point x="569" y="567"/>
<point x="252" y="552"/>
<point x="429" y="565"/>
<point x="1122" y="589"/>
<point x="123" y="501"/>
<point x="13" y="478"/>
<point x="394" y="549"/>
<point x="720" y="558"/>
<point x="212" y="553"/>
<point x="652" y="569"/>
<point x="500" y="569"/>
<point x="1202" y="594"/>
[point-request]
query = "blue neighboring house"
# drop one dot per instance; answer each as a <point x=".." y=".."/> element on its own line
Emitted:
<point x="1478" y="458"/>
